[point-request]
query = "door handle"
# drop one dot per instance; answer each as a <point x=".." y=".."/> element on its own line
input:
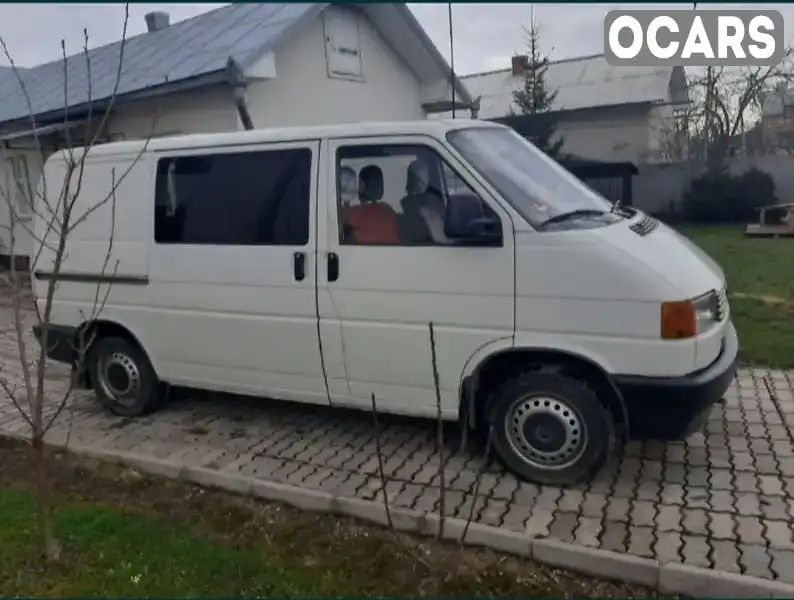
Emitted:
<point x="333" y="266"/>
<point x="299" y="266"/>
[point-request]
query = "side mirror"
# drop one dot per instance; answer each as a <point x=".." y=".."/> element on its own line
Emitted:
<point x="466" y="221"/>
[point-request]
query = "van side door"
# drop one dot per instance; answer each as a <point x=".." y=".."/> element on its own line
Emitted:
<point x="389" y="272"/>
<point x="233" y="285"/>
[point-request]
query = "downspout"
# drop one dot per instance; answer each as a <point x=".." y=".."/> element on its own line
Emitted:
<point x="236" y="80"/>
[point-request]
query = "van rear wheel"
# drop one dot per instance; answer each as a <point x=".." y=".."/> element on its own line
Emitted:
<point x="123" y="378"/>
<point x="550" y="428"/>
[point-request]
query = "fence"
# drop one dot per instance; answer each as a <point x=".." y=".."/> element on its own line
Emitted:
<point x="660" y="188"/>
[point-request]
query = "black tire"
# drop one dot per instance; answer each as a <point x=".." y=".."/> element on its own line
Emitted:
<point x="568" y="421"/>
<point x="116" y="361"/>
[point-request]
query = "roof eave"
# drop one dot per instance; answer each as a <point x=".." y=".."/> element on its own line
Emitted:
<point x="79" y="111"/>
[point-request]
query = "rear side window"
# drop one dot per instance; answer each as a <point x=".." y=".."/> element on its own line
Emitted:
<point x="243" y="199"/>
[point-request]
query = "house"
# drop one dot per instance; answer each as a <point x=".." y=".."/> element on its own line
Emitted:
<point x="777" y="119"/>
<point x="606" y="113"/>
<point x="296" y="64"/>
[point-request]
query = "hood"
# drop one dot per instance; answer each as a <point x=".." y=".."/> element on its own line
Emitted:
<point x="671" y="255"/>
<point x="702" y="254"/>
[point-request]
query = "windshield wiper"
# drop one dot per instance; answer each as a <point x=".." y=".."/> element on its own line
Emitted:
<point x="582" y="212"/>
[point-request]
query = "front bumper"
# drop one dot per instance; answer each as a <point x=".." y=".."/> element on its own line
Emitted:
<point x="672" y="408"/>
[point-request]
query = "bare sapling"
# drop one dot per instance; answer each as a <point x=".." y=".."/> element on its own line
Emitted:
<point x="440" y="443"/>
<point x="475" y="493"/>
<point x="38" y="399"/>
<point x="381" y="469"/>
<point x="437" y="569"/>
<point x="439" y="435"/>
<point x="384" y="480"/>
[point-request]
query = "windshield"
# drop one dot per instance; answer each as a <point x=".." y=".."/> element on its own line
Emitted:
<point x="535" y="185"/>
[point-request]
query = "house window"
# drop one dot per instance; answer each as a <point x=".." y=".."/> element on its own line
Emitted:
<point x="18" y="184"/>
<point x="241" y="199"/>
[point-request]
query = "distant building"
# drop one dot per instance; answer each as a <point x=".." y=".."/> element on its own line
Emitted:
<point x="621" y="114"/>
<point x="777" y="119"/>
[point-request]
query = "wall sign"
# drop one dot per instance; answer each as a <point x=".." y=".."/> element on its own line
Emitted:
<point x="343" y="44"/>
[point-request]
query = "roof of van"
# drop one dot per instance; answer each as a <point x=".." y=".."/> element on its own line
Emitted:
<point x="435" y="127"/>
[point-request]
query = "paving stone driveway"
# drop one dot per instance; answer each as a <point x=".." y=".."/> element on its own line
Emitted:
<point x="724" y="499"/>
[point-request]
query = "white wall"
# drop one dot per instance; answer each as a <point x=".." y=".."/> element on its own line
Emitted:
<point x="620" y="134"/>
<point x="303" y="94"/>
<point x="200" y="111"/>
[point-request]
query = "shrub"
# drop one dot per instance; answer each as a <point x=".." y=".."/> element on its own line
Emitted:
<point x="719" y="197"/>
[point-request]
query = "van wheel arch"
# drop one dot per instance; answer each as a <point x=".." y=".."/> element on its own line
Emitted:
<point x="101" y="328"/>
<point x="496" y="368"/>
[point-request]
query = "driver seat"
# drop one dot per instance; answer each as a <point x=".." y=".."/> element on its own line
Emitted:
<point x="421" y="199"/>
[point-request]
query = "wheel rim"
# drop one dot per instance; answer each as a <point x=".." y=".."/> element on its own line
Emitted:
<point x="119" y="378"/>
<point x="546" y="432"/>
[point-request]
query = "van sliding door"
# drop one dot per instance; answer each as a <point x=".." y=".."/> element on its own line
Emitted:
<point x="233" y="270"/>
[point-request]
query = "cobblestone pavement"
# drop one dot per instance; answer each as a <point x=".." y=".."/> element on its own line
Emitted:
<point x="723" y="499"/>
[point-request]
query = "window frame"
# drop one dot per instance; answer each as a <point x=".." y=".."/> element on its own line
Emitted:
<point x="310" y="145"/>
<point x="427" y="144"/>
<point x="18" y="172"/>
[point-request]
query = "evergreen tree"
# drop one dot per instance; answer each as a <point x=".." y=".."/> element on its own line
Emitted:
<point x="535" y="100"/>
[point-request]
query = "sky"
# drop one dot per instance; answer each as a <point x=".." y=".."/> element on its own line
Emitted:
<point x="485" y="35"/>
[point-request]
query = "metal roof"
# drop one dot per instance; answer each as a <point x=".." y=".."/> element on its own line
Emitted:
<point x="39" y="131"/>
<point x="192" y="53"/>
<point x="584" y="82"/>
<point x="184" y="50"/>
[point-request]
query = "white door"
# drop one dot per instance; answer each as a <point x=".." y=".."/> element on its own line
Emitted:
<point x="388" y="272"/>
<point x="233" y="281"/>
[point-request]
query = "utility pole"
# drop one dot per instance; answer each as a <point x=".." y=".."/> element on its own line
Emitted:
<point x="707" y="118"/>
<point x="451" y="57"/>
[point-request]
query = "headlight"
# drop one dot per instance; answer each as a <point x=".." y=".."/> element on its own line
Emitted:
<point x="688" y="318"/>
<point x="706" y="310"/>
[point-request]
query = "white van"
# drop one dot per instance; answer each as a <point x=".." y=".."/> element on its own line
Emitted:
<point x="306" y="264"/>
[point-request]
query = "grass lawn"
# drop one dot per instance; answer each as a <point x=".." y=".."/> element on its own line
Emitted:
<point x="760" y="273"/>
<point x="126" y="535"/>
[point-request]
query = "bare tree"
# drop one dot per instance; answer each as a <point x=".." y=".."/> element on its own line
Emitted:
<point x="438" y="572"/>
<point x="58" y="213"/>
<point x="725" y="103"/>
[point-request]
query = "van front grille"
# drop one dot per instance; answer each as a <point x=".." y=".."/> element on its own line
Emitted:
<point x="645" y="225"/>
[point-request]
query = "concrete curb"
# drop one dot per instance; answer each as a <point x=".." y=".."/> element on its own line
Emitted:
<point x="699" y="583"/>
<point x="597" y="562"/>
<point x="669" y="578"/>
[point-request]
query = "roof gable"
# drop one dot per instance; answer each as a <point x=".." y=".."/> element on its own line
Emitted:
<point x="195" y="52"/>
<point x="584" y="82"/>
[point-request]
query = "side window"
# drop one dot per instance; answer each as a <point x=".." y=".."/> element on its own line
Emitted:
<point x="242" y="199"/>
<point x="395" y="195"/>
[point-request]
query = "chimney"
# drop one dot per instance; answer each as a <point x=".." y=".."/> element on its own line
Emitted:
<point x="156" y="20"/>
<point x="520" y="64"/>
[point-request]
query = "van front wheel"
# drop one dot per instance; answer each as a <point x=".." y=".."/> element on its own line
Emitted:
<point x="550" y="428"/>
<point x="123" y="378"/>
